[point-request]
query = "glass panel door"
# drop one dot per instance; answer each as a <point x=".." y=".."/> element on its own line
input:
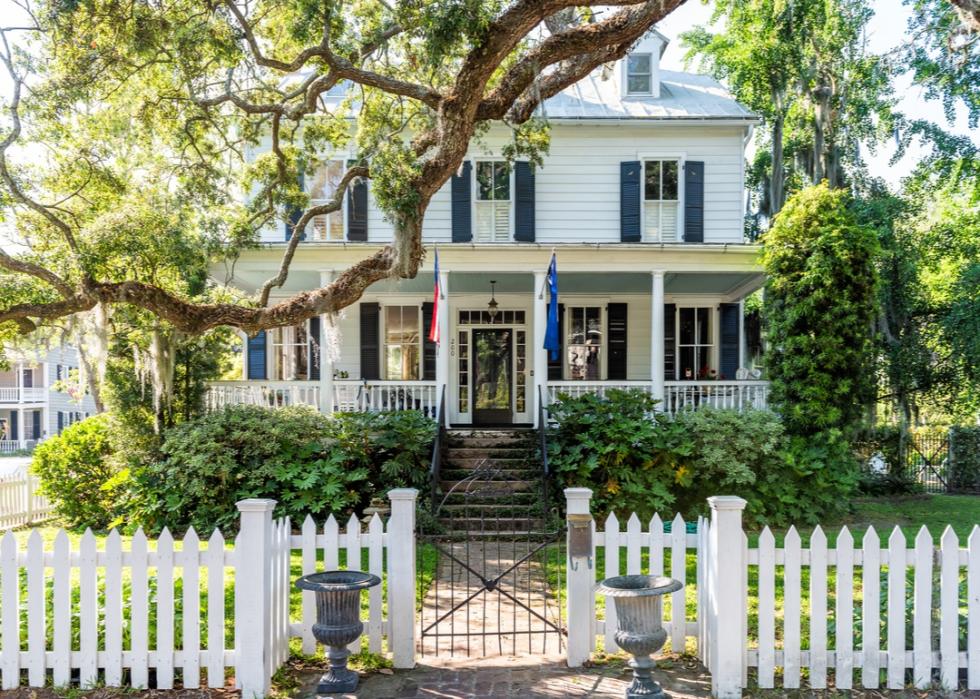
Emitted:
<point x="492" y="382"/>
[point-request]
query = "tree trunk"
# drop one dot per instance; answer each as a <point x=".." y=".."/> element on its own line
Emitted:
<point x="777" y="178"/>
<point x="162" y="364"/>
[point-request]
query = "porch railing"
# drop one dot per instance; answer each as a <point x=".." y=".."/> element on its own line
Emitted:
<point x="349" y="395"/>
<point x="732" y="395"/>
<point x="12" y="446"/>
<point x="13" y="394"/>
<point x="678" y="395"/>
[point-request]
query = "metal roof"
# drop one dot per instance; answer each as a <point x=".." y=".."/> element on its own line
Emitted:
<point x="682" y="96"/>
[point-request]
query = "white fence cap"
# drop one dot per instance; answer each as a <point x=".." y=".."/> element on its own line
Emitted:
<point x="256" y="505"/>
<point x="726" y="502"/>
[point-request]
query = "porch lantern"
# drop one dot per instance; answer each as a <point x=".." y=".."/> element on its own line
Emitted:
<point x="639" y="625"/>
<point x="492" y="306"/>
<point x="338" y="622"/>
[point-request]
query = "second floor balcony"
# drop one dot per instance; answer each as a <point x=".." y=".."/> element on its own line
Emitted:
<point x="21" y="394"/>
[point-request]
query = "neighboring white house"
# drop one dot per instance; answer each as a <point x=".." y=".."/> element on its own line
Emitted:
<point x="641" y="198"/>
<point x="39" y="397"/>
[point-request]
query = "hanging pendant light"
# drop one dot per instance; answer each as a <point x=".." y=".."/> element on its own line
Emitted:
<point x="492" y="306"/>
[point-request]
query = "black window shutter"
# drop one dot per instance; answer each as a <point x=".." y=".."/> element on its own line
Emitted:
<point x="616" y="334"/>
<point x="524" y="202"/>
<point x="57" y="372"/>
<point x="370" y="341"/>
<point x="295" y="214"/>
<point x="256" y="356"/>
<point x="357" y="208"/>
<point x="694" y="201"/>
<point x="428" y="347"/>
<point x="670" y="333"/>
<point x="28" y="378"/>
<point x="629" y="201"/>
<point x="554" y="365"/>
<point x="61" y="421"/>
<point x="36" y="420"/>
<point x="728" y="355"/>
<point x="462" y="215"/>
<point x="13" y="425"/>
<point x="314" y="348"/>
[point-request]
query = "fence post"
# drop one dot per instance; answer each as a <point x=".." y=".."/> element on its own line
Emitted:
<point x="401" y="576"/>
<point x="253" y="606"/>
<point x="580" y="578"/>
<point x="726" y="596"/>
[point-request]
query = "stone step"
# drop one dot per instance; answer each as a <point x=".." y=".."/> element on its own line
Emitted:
<point x="473" y="463"/>
<point x="491" y="442"/>
<point x="492" y="526"/>
<point x="489" y="453"/>
<point x="530" y="486"/>
<point x="496" y="475"/>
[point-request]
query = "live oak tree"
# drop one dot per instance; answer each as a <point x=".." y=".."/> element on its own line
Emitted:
<point x="123" y="156"/>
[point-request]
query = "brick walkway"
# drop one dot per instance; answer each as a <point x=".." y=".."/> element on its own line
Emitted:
<point x="504" y="677"/>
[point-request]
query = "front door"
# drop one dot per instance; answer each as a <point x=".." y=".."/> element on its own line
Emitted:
<point x="492" y="383"/>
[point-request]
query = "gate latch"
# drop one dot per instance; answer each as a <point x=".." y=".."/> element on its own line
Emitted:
<point x="580" y="540"/>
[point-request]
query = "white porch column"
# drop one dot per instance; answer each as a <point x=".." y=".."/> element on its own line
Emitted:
<point x="657" y="339"/>
<point x="21" y="434"/>
<point x="539" y="367"/>
<point x="326" y="359"/>
<point x="445" y="341"/>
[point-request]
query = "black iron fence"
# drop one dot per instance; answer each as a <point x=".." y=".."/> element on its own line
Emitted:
<point x="933" y="460"/>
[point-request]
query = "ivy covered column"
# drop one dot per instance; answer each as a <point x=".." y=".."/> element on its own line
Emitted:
<point x="657" y="339"/>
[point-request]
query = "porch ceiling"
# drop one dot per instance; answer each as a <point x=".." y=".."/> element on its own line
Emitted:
<point x="675" y="283"/>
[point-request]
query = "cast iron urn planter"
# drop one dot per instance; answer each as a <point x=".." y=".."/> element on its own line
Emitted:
<point x="338" y="621"/>
<point x="639" y="625"/>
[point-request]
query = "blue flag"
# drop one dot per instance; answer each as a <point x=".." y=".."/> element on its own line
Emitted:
<point x="552" y="342"/>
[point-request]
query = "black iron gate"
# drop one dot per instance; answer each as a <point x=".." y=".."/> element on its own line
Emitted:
<point x="491" y="563"/>
<point x="925" y="459"/>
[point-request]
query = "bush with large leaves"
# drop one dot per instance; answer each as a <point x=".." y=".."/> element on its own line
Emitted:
<point x="308" y="463"/>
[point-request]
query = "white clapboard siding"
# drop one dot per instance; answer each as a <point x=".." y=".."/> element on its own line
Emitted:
<point x="884" y="583"/>
<point x="663" y="549"/>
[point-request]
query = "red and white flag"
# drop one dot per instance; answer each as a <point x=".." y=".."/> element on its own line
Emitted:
<point x="436" y="306"/>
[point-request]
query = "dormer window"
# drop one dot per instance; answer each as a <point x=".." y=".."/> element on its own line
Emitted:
<point x="639" y="74"/>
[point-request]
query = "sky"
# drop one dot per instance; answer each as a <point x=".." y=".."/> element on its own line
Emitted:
<point x="887" y="31"/>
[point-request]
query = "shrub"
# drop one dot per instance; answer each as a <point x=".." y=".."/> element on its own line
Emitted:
<point x="76" y="474"/>
<point x="637" y="460"/>
<point x="308" y="463"/>
<point x="964" y="457"/>
<point x="615" y="447"/>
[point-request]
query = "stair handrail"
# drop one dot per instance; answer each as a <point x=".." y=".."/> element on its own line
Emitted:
<point x="543" y="437"/>
<point x="436" y="462"/>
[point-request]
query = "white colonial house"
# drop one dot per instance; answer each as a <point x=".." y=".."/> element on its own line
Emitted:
<point x="642" y="200"/>
<point x="40" y="396"/>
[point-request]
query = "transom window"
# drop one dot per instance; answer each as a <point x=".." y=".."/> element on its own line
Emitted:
<point x="694" y="343"/>
<point x="492" y="201"/>
<point x="583" y="346"/>
<point x="290" y="353"/>
<point x="484" y="318"/>
<point x="403" y="342"/>
<point x="660" y="200"/>
<point x="639" y="74"/>
<point x="322" y="187"/>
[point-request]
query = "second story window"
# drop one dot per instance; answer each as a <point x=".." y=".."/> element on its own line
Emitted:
<point x="660" y="200"/>
<point x="492" y="201"/>
<point x="403" y="343"/>
<point x="639" y="74"/>
<point x="322" y="186"/>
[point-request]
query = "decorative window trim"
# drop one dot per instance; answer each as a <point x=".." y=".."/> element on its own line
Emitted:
<point x="475" y="199"/>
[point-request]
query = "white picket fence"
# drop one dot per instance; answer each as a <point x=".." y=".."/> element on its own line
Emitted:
<point x="87" y="635"/>
<point x="666" y="553"/>
<point x="20" y="502"/>
<point x="908" y="643"/>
